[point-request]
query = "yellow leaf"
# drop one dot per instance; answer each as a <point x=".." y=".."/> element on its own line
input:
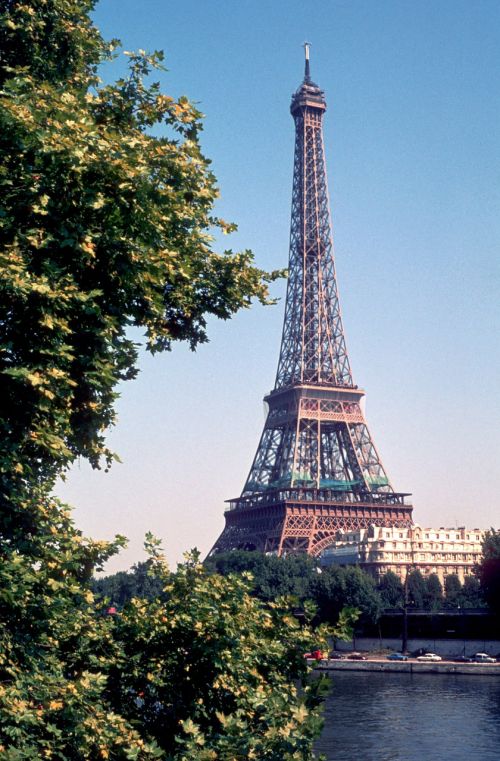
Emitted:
<point x="34" y="379"/>
<point x="47" y="321"/>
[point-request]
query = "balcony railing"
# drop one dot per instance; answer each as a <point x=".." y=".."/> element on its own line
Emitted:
<point x="309" y="495"/>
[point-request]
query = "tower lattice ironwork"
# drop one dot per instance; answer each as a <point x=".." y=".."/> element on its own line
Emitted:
<point x="316" y="471"/>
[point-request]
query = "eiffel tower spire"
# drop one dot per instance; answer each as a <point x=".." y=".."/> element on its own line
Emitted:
<point x="316" y="469"/>
<point x="313" y="345"/>
<point x="307" y="73"/>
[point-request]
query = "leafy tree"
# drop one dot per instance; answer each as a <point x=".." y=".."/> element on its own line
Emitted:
<point x="103" y="226"/>
<point x="272" y="576"/>
<point x="54" y="646"/>
<point x="488" y="570"/>
<point x="330" y="589"/>
<point x="453" y="591"/>
<point x="211" y="672"/>
<point x="238" y="561"/>
<point x="471" y="596"/>
<point x="416" y="588"/>
<point x="391" y="590"/>
<point x="119" y="588"/>
<point x="338" y="587"/>
<point x="433" y="595"/>
<point x="291" y="575"/>
<point x="466" y="595"/>
<point x="202" y="668"/>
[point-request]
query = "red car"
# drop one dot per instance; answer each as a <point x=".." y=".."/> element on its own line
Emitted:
<point x="316" y="655"/>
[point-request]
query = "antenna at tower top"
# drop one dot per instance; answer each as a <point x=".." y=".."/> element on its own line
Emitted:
<point x="307" y="73"/>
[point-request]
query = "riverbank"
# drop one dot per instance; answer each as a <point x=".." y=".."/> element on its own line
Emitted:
<point x="411" y="667"/>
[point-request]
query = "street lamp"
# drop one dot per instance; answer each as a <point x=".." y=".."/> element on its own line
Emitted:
<point x="404" y="642"/>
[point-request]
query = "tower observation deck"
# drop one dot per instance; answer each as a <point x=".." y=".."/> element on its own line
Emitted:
<point x="317" y="471"/>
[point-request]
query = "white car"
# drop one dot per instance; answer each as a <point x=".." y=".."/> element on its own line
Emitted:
<point x="429" y="657"/>
<point x="484" y="658"/>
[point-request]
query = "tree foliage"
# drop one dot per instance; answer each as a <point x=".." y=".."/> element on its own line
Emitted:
<point x="300" y="576"/>
<point x="433" y="594"/>
<point x="337" y="587"/>
<point x="488" y="570"/>
<point x="202" y="671"/>
<point x="472" y="594"/>
<point x="272" y="576"/>
<point x="106" y="222"/>
<point x="466" y="595"/>
<point x="331" y="589"/>
<point x="119" y="588"/>
<point x="453" y="591"/>
<point x="415" y="584"/>
<point x="391" y="590"/>
<point x="54" y="646"/>
<point x="213" y="672"/>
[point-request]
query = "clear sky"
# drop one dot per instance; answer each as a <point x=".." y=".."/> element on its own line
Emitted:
<point x="413" y="151"/>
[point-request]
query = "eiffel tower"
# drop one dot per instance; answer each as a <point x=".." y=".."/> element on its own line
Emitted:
<point x="316" y="472"/>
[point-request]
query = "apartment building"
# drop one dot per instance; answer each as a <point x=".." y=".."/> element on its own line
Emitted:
<point x="378" y="549"/>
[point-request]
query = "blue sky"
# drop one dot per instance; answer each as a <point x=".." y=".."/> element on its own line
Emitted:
<point x="413" y="153"/>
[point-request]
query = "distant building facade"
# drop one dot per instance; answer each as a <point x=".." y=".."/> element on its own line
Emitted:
<point x="378" y="549"/>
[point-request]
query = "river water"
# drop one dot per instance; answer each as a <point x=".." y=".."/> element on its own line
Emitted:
<point x="404" y="717"/>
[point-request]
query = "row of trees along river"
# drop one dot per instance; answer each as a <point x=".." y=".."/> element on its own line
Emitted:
<point x="334" y="588"/>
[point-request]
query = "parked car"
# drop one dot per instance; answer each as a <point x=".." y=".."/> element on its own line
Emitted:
<point x="430" y="657"/>
<point x="336" y="656"/>
<point x="356" y="657"/>
<point x="397" y="657"/>
<point x="462" y="659"/>
<point x="315" y="655"/>
<point x="484" y="658"/>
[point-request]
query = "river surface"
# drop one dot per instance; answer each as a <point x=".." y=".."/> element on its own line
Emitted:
<point x="405" y="717"/>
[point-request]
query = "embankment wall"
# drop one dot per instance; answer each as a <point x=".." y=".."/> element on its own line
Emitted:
<point x="413" y="667"/>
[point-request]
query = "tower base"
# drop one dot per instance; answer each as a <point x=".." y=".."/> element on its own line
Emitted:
<point x="306" y="520"/>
